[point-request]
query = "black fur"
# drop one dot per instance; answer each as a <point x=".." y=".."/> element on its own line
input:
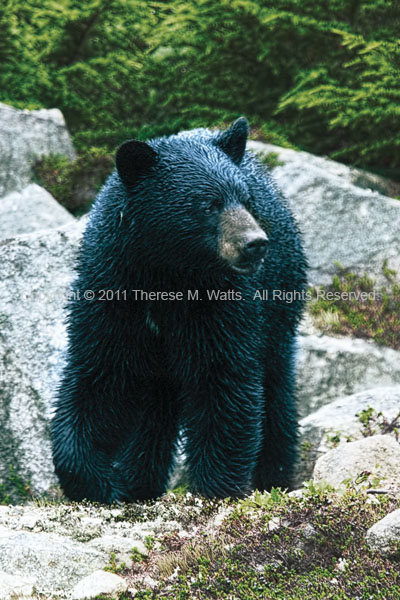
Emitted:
<point x="221" y="370"/>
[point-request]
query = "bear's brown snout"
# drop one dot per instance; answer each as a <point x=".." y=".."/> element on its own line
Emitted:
<point x="243" y="242"/>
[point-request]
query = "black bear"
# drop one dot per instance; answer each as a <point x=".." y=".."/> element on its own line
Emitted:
<point x="180" y="323"/>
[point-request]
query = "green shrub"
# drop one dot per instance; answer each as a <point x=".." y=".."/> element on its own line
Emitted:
<point x="319" y="75"/>
<point x="75" y="184"/>
<point x="281" y="547"/>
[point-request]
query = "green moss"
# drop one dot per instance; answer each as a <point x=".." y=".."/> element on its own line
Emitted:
<point x="14" y="488"/>
<point x="271" y="159"/>
<point x="354" y="305"/>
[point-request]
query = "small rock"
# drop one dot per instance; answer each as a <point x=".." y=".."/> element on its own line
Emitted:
<point x="184" y="534"/>
<point x="384" y="532"/>
<point x="221" y="515"/>
<point x="114" y="543"/>
<point x="139" y="546"/>
<point x="274" y="523"/>
<point x="56" y="561"/>
<point x="342" y="565"/>
<point x="12" y="587"/>
<point x="149" y="581"/>
<point x="99" y="582"/>
<point x="309" y="531"/>
<point x="260" y="568"/>
<point x="341" y="414"/>
<point x="299" y="493"/>
<point x="378" y="456"/>
<point x="28" y="521"/>
<point x="339" y="419"/>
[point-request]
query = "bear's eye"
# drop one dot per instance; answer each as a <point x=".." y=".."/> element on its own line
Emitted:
<point x="210" y="208"/>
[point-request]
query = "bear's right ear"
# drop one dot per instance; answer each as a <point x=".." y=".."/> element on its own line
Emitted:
<point x="233" y="140"/>
<point x="134" y="158"/>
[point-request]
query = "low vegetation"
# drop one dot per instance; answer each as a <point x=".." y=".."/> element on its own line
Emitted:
<point x="355" y="305"/>
<point x="75" y="183"/>
<point x="13" y="488"/>
<point x="275" y="546"/>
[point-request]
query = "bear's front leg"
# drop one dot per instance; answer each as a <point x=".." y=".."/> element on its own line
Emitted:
<point x="277" y="460"/>
<point x="146" y="457"/>
<point x="82" y="453"/>
<point x="222" y="428"/>
<point x="106" y="452"/>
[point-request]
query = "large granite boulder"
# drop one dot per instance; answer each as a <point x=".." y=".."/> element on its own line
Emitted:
<point x="341" y="417"/>
<point x="331" y="367"/>
<point x="26" y="135"/>
<point x="29" y="210"/>
<point x="372" y="459"/>
<point x="35" y="272"/>
<point x="340" y="220"/>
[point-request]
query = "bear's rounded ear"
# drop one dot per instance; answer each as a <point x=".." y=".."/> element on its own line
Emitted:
<point x="134" y="158"/>
<point x="233" y="140"/>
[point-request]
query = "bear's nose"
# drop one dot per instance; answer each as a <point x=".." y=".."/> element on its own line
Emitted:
<point x="255" y="248"/>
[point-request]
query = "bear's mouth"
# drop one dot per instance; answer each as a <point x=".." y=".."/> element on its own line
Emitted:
<point x="248" y="268"/>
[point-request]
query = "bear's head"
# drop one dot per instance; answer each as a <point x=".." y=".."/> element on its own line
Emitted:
<point x="189" y="201"/>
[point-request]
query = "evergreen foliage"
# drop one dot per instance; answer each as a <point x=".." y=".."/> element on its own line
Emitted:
<point x="320" y="75"/>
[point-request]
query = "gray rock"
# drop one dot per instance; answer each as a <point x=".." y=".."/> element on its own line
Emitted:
<point x="59" y="544"/>
<point x="358" y="177"/>
<point x="114" y="543"/>
<point x="340" y="221"/>
<point x="122" y="547"/>
<point x="330" y="367"/>
<point x="26" y="135"/>
<point x="99" y="582"/>
<point x="29" y="210"/>
<point x="13" y="587"/>
<point x="340" y="416"/>
<point x="385" y="532"/>
<point x="339" y="419"/>
<point x="375" y="457"/>
<point x="57" y="562"/>
<point x="35" y="272"/>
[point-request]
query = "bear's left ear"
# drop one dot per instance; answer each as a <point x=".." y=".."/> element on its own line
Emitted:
<point x="134" y="158"/>
<point x="233" y="140"/>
